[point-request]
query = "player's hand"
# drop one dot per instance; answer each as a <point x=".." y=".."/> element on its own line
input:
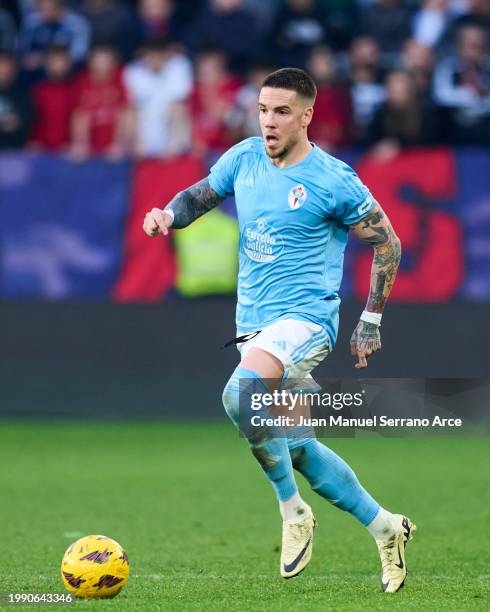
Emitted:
<point x="365" y="341"/>
<point x="157" y="222"/>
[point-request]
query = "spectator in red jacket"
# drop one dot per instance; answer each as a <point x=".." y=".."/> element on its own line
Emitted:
<point x="212" y="102"/>
<point x="101" y="119"/>
<point x="331" y="123"/>
<point x="54" y="102"/>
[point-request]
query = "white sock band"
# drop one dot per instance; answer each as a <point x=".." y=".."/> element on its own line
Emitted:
<point x="293" y="508"/>
<point x="382" y="526"/>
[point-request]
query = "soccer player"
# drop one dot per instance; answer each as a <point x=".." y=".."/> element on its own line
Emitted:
<point x="296" y="205"/>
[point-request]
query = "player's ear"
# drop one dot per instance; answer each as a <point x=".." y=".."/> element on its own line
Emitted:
<point x="307" y="116"/>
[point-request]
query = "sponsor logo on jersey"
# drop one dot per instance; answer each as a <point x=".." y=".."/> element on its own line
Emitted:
<point x="260" y="242"/>
<point x="297" y="197"/>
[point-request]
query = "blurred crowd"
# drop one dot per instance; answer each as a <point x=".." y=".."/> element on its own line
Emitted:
<point x="157" y="78"/>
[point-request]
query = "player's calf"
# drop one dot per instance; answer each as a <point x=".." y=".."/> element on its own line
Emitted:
<point x="331" y="477"/>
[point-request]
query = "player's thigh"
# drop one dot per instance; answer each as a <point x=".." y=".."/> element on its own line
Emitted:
<point x="269" y="367"/>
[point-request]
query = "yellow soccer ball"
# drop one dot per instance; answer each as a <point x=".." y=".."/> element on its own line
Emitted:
<point x="95" y="567"/>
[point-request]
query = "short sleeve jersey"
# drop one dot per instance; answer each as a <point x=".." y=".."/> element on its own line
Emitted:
<point x="293" y="232"/>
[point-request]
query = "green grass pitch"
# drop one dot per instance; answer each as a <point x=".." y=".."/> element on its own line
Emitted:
<point x="201" y="527"/>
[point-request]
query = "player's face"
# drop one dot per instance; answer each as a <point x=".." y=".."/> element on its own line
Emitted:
<point x="283" y="120"/>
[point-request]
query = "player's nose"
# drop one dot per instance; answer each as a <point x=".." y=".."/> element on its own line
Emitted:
<point x="269" y="121"/>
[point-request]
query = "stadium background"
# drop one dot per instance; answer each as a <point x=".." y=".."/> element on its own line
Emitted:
<point x="75" y="265"/>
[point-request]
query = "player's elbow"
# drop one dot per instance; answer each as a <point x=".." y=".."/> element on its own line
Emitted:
<point x="396" y="247"/>
<point x="390" y="249"/>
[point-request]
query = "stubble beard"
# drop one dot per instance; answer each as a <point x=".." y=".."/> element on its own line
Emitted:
<point x="281" y="154"/>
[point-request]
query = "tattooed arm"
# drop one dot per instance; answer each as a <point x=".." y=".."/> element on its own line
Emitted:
<point x="186" y="207"/>
<point x="376" y="230"/>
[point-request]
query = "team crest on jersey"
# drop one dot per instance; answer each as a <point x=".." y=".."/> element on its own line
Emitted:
<point x="297" y="197"/>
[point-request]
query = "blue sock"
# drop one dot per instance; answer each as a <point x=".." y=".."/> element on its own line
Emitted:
<point x="268" y="444"/>
<point x="333" y="479"/>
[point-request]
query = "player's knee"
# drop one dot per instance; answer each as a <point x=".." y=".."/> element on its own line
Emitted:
<point x="230" y="399"/>
<point x="238" y="400"/>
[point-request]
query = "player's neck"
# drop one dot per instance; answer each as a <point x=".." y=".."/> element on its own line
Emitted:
<point x="295" y="155"/>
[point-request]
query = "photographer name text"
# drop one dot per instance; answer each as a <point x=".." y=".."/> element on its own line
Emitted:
<point x="340" y="421"/>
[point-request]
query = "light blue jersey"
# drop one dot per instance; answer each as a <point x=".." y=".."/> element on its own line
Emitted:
<point x="293" y="232"/>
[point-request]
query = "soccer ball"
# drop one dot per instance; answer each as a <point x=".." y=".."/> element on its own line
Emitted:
<point x="95" y="567"/>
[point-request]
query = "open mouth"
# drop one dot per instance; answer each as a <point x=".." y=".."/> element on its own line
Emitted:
<point x="271" y="140"/>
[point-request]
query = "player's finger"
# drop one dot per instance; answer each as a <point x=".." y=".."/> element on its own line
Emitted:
<point x="353" y="349"/>
<point x="160" y="220"/>
<point x="362" y="361"/>
<point x="149" y="225"/>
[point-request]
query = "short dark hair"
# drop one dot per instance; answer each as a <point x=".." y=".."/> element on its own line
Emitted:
<point x="293" y="79"/>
